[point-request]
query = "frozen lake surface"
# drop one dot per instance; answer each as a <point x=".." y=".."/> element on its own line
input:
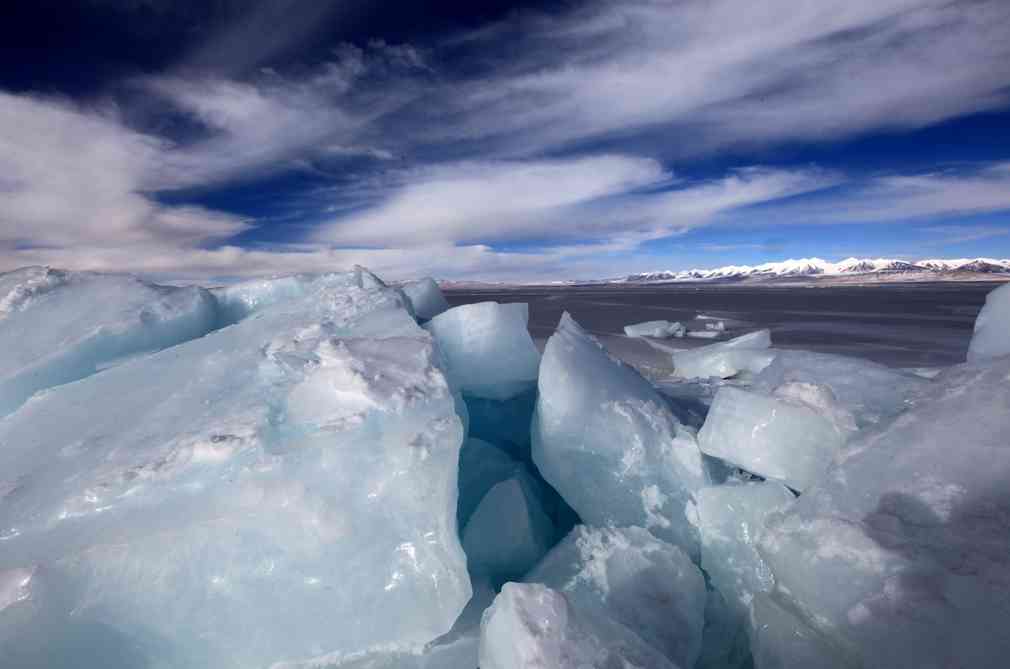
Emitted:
<point x="910" y="325"/>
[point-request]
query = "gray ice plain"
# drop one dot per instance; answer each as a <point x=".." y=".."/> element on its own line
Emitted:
<point x="331" y="472"/>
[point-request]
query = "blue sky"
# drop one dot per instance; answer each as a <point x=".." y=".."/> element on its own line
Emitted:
<point x="519" y="141"/>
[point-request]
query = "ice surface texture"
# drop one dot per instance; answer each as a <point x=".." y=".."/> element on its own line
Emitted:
<point x="629" y="576"/>
<point x="748" y="352"/>
<point x="487" y="349"/>
<point x="531" y="626"/>
<point x="899" y="554"/>
<point x="270" y="492"/>
<point x="992" y="327"/>
<point x="426" y="298"/>
<point x="57" y="327"/>
<point x="607" y="442"/>
<point x="731" y="518"/>
<point x="661" y="329"/>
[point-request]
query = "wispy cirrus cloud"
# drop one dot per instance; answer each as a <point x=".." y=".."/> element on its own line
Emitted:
<point x="548" y="154"/>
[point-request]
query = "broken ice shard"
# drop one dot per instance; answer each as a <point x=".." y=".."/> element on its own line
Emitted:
<point x="992" y="327"/>
<point x="660" y="329"/>
<point x="426" y="298"/>
<point x="531" y="626"/>
<point x="899" y="553"/>
<point x="487" y="350"/>
<point x="509" y="531"/>
<point x="626" y="574"/>
<point x="270" y="492"/>
<point x="772" y="436"/>
<point x="748" y="352"/>
<point x="609" y="444"/>
<point x="57" y="327"/>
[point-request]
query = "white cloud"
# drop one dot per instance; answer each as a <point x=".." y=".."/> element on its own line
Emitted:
<point x="70" y="177"/>
<point x="699" y="75"/>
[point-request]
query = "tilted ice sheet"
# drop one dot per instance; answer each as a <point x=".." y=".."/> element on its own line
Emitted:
<point x="426" y="298"/>
<point x="899" y="553"/>
<point x="608" y="443"/>
<point x="277" y="490"/>
<point x="660" y="329"/>
<point x="57" y="327"/>
<point x="626" y="574"/>
<point x="531" y="626"/>
<point x="871" y="392"/>
<point x="781" y="640"/>
<point x="487" y="349"/>
<point x="731" y="518"/>
<point x="773" y="437"/>
<point x="747" y="352"/>
<point x="992" y="327"/>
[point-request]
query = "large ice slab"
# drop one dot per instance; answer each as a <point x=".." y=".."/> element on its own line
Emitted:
<point x="992" y="327"/>
<point x="660" y="329"/>
<point x="773" y="436"/>
<point x="609" y="444"/>
<point x="57" y="327"/>
<point x="509" y="531"/>
<point x="899" y="554"/>
<point x="487" y="348"/>
<point x="731" y="518"/>
<point x="747" y="352"/>
<point x="869" y="391"/>
<point x="626" y="574"/>
<point x="531" y="626"/>
<point x="426" y="298"/>
<point x="277" y="490"/>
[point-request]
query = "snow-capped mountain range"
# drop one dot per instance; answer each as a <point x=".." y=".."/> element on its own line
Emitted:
<point x="813" y="267"/>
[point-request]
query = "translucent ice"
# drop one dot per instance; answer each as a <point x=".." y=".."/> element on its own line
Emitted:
<point x="531" y="626"/>
<point x="626" y="574"/>
<point x="57" y="326"/>
<point x="660" y="329"/>
<point x="717" y="326"/>
<point x="731" y="517"/>
<point x="609" y="444"/>
<point x="899" y="554"/>
<point x="774" y="437"/>
<point x="748" y="352"/>
<point x="481" y="466"/>
<point x="992" y="327"/>
<point x="487" y="349"/>
<point x="871" y="392"/>
<point x="426" y="298"/>
<point x="781" y="640"/>
<point x="505" y="422"/>
<point x="509" y="530"/>
<point x="274" y="491"/>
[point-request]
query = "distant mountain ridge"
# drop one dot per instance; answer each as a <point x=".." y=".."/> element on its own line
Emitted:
<point x="816" y="267"/>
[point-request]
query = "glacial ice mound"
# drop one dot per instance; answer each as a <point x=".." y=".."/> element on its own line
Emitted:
<point x="57" y="327"/>
<point x="659" y="329"/>
<point x="636" y="580"/>
<point x="267" y="493"/>
<point x="608" y="443"/>
<point x="992" y="327"/>
<point x="531" y="626"/>
<point x="898" y="555"/>
<point x="487" y="349"/>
